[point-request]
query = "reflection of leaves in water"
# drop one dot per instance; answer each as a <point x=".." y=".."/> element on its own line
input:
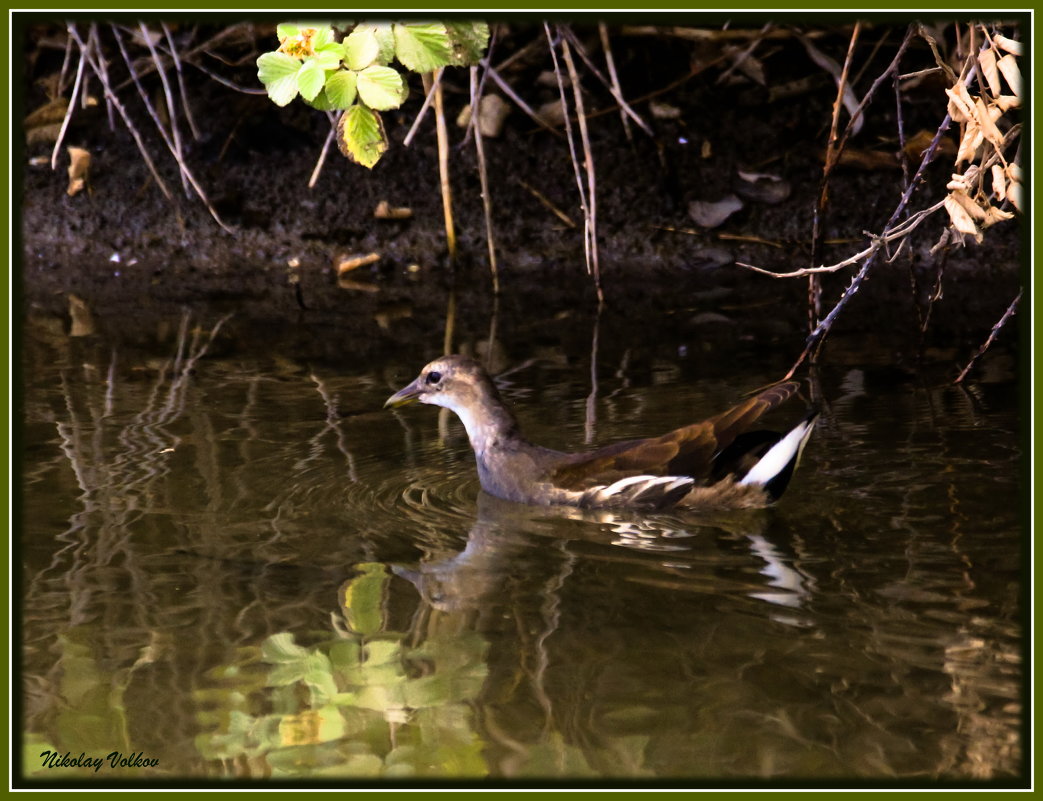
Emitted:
<point x="363" y="704"/>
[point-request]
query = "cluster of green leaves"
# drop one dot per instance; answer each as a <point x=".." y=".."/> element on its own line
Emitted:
<point x="363" y="704"/>
<point x="355" y="76"/>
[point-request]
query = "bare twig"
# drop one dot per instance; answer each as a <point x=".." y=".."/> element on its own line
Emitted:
<point x="507" y="90"/>
<point x="484" y="179"/>
<point x="175" y="132"/>
<point x="612" y="86"/>
<point x="165" y="136"/>
<point x="181" y="83"/>
<point x="565" y="218"/>
<point x="745" y="54"/>
<point x="325" y="151"/>
<point x="435" y="83"/>
<point x="589" y="196"/>
<point x="443" y="172"/>
<point x="606" y="45"/>
<point x="68" y="111"/>
<point x="815" y="339"/>
<point x="1011" y="309"/>
<point x="878" y="242"/>
<point x="473" y="119"/>
<point x="832" y="155"/>
<point x="111" y="96"/>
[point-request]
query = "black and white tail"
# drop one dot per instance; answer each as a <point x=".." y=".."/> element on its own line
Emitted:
<point x="775" y="468"/>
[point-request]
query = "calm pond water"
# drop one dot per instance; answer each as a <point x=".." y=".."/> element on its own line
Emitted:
<point x="243" y="567"/>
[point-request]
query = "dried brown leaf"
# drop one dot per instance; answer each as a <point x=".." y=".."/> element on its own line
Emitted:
<point x="986" y="119"/>
<point x="994" y="215"/>
<point x="1010" y="45"/>
<point x="864" y="159"/>
<point x="833" y="68"/>
<point x="960" y="219"/>
<point x="49" y="113"/>
<point x="663" y="111"/>
<point x="916" y="144"/>
<point x="972" y="139"/>
<point x="552" y="113"/>
<point x="1016" y="195"/>
<point x="987" y="61"/>
<point x="961" y="106"/>
<point x="972" y="207"/>
<point x="1006" y="102"/>
<point x="999" y="183"/>
<point x="710" y="214"/>
<point x="1009" y="67"/>
<point x="79" y="166"/>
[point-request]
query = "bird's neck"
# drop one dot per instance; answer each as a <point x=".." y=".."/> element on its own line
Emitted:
<point x="488" y="421"/>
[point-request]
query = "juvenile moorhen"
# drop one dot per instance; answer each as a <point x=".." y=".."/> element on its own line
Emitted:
<point x="713" y="465"/>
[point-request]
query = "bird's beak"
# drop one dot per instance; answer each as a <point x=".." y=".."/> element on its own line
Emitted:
<point x="407" y="394"/>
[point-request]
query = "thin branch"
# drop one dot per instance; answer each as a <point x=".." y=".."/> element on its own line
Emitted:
<point x="165" y="136"/>
<point x="435" y="83"/>
<point x="483" y="177"/>
<point x="442" y="134"/>
<point x="588" y="160"/>
<point x="471" y="122"/>
<point x="507" y="90"/>
<point x="832" y="155"/>
<point x="889" y="235"/>
<point x="325" y="151"/>
<point x="606" y="46"/>
<point x="612" y="86"/>
<point x="181" y="83"/>
<point x="68" y="111"/>
<point x="565" y="218"/>
<point x="111" y="96"/>
<point x="1011" y="309"/>
<point x="171" y="106"/>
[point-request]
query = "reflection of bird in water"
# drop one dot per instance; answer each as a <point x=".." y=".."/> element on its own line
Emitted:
<point x="510" y="544"/>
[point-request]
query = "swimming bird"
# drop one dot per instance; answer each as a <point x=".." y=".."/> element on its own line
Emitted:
<point x="713" y="465"/>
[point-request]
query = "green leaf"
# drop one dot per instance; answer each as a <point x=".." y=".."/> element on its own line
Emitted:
<point x="281" y="648"/>
<point x="381" y="88"/>
<point x="286" y="30"/>
<point x="328" y="59"/>
<point x="340" y="89"/>
<point x="311" y="79"/>
<point x="362" y="598"/>
<point x="278" y="73"/>
<point x="422" y="47"/>
<point x="331" y="47"/>
<point x="361" y="137"/>
<point x="321" y="102"/>
<point x="361" y="49"/>
<point x="468" y="41"/>
<point x="323" y="36"/>
<point x="385" y="39"/>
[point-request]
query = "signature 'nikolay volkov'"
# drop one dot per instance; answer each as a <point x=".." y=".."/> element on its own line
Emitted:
<point x="115" y="759"/>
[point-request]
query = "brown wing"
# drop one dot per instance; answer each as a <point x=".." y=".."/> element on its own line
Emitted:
<point x="687" y="451"/>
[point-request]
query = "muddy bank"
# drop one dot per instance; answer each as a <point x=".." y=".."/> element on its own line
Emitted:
<point x="133" y="256"/>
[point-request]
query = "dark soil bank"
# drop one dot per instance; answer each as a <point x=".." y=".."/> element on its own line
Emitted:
<point x="133" y="255"/>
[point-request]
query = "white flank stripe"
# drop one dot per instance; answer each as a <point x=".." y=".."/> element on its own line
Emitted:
<point x="623" y="483"/>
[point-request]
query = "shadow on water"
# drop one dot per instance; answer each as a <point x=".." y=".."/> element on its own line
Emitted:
<point x="297" y="584"/>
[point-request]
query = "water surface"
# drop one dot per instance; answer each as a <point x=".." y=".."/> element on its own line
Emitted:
<point x="240" y="566"/>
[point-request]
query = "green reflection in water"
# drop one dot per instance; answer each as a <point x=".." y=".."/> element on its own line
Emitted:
<point x="363" y="703"/>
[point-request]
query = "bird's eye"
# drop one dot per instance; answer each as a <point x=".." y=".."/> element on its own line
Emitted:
<point x="434" y="377"/>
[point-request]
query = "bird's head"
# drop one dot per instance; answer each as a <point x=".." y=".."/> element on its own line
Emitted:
<point x="455" y="382"/>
